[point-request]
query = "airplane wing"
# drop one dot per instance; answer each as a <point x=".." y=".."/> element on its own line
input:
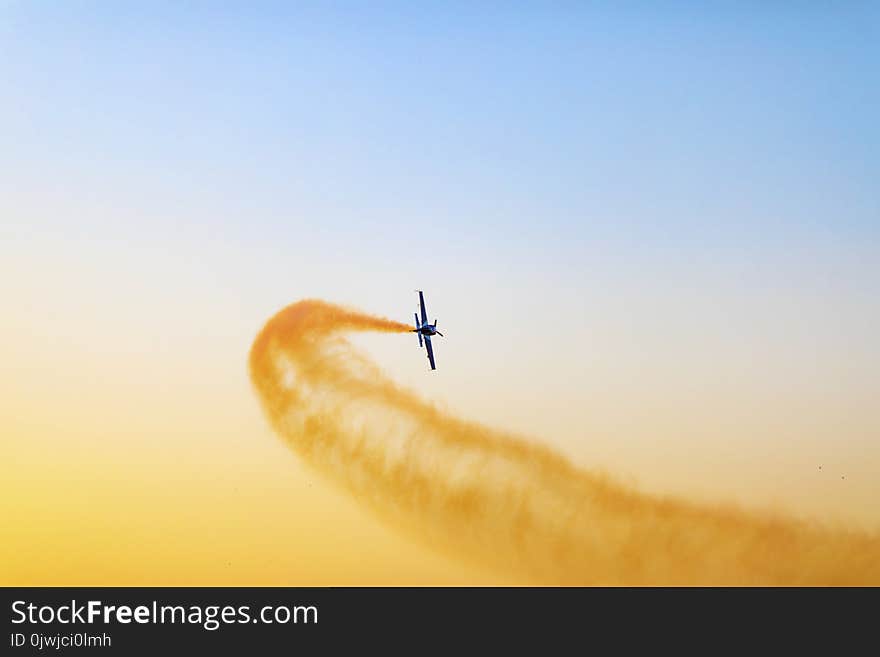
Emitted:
<point x="422" y="304"/>
<point x="430" y="350"/>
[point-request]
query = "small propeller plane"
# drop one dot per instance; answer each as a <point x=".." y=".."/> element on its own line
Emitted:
<point x="425" y="330"/>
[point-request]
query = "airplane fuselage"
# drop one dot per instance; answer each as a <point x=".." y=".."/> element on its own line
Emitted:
<point x="425" y="330"/>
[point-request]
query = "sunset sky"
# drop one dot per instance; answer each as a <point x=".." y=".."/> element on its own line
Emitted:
<point x="651" y="236"/>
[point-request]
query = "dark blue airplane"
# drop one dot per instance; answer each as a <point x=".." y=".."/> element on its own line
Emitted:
<point x="425" y="330"/>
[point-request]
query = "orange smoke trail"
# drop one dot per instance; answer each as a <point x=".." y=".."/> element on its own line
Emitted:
<point x="480" y="493"/>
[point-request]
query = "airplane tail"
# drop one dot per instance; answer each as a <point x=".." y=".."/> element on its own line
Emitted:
<point x="417" y="330"/>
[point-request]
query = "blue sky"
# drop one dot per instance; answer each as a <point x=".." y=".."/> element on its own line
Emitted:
<point x="498" y="125"/>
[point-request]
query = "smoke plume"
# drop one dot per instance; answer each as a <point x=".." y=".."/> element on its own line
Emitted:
<point x="493" y="498"/>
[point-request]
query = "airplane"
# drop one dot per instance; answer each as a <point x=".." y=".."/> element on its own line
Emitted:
<point x="425" y="330"/>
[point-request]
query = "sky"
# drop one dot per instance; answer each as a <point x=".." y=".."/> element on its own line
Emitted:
<point x="650" y="232"/>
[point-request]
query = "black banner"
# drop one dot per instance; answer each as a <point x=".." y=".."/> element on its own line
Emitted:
<point x="182" y="620"/>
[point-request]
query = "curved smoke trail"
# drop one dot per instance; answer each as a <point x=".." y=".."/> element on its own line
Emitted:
<point x="481" y="493"/>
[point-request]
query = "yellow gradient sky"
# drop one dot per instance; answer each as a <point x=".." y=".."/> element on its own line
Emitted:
<point x="682" y="294"/>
